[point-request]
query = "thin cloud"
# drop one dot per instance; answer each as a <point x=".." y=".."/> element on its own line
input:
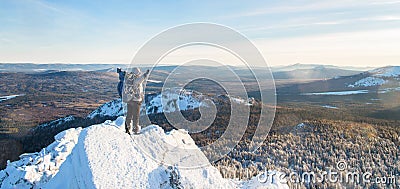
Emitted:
<point x="47" y="6"/>
<point x="385" y="2"/>
<point x="308" y="7"/>
<point x="287" y="26"/>
<point x="325" y="23"/>
<point x="319" y="5"/>
<point x="386" y="18"/>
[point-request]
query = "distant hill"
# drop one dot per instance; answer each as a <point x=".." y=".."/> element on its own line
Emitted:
<point x="38" y="68"/>
<point x="379" y="80"/>
<point x="319" y="72"/>
<point x="295" y="71"/>
<point x="299" y="66"/>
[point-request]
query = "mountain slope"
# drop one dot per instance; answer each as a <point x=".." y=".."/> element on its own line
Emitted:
<point x="380" y="80"/>
<point x="103" y="156"/>
<point x="381" y="76"/>
<point x="389" y="71"/>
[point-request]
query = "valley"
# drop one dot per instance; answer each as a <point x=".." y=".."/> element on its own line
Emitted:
<point x="318" y="121"/>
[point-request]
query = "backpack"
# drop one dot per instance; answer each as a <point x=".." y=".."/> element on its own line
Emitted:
<point x="133" y="88"/>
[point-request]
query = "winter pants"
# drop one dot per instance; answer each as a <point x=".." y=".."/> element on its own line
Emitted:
<point x="132" y="117"/>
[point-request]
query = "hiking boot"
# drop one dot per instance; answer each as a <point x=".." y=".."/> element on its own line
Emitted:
<point x="127" y="131"/>
<point x="137" y="129"/>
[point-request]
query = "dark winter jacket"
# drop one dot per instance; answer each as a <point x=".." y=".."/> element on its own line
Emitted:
<point x="121" y="81"/>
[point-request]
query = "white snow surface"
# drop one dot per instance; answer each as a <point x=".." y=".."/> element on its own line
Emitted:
<point x="242" y="101"/>
<point x="386" y="90"/>
<point x="154" y="81"/>
<point x="300" y="125"/>
<point x="103" y="156"/>
<point x="4" y="98"/>
<point x="330" y="107"/>
<point x="368" y="82"/>
<point x="338" y="93"/>
<point x="35" y="169"/>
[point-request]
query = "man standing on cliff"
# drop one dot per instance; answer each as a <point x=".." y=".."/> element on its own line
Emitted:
<point x="133" y="95"/>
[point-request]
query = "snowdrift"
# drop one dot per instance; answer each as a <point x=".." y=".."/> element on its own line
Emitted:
<point x="103" y="156"/>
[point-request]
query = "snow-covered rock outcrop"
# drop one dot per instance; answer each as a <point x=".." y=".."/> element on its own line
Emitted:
<point x="378" y="77"/>
<point x="113" y="108"/>
<point x="368" y="82"/>
<point x="174" y="100"/>
<point x="103" y="156"/>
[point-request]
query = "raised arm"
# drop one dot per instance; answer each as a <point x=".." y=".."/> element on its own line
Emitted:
<point x="121" y="75"/>
<point x="144" y="76"/>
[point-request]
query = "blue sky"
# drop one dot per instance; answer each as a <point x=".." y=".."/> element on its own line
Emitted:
<point x="341" y="32"/>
